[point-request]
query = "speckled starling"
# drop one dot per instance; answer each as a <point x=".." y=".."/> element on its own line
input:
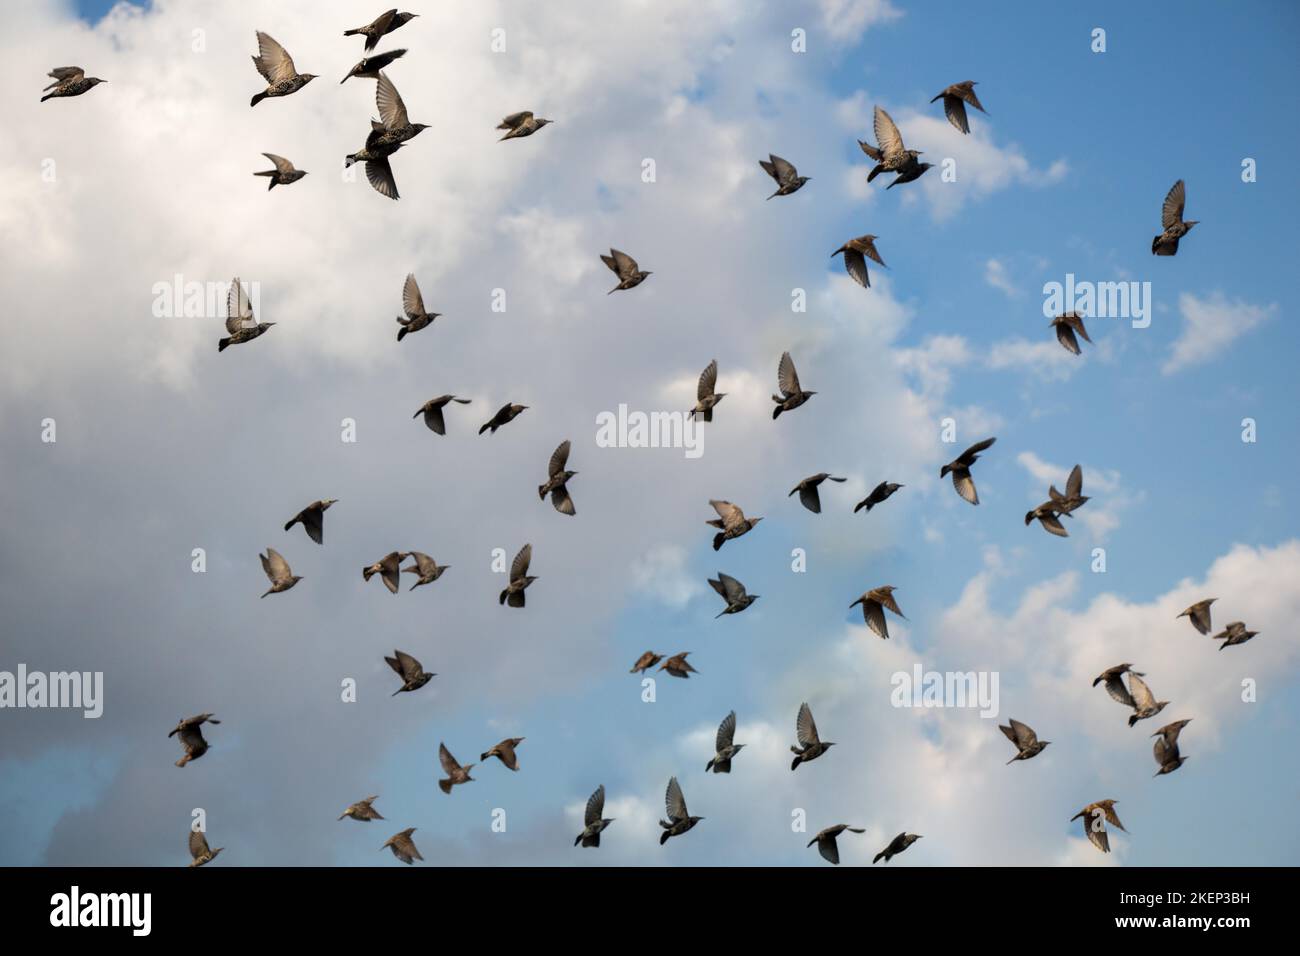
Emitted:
<point x="362" y="811"/>
<point x="505" y="752"/>
<point x="891" y="156"/>
<point x="679" y="818"/>
<point x="787" y="381"/>
<point x="556" y="484"/>
<point x="369" y="68"/>
<point x="413" y="675"/>
<point x="878" y="494"/>
<point x="283" y="174"/>
<point x="385" y="23"/>
<point x="513" y="593"/>
<point x="417" y="318"/>
<point x="69" y="81"/>
<point x="873" y="604"/>
<point x="960" y="468"/>
<point x="1067" y="326"/>
<point x="426" y="569"/>
<point x="733" y="592"/>
<point x="678" y="666"/>
<point x="395" y="125"/>
<point x="1171" y="221"/>
<point x="786" y="176"/>
<point x="1095" y="817"/>
<point x="1234" y="633"/>
<point x="432" y="412"/>
<point x="731" y="520"/>
<point x="276" y="67"/>
<point x="403" y="846"/>
<point x="896" y="846"/>
<point x="1113" y="678"/>
<point x="240" y="322"/>
<point x="506" y="414"/>
<point x="825" y="840"/>
<point x="200" y="853"/>
<point x="389" y="567"/>
<point x="456" y="774"/>
<point x="1166" y="748"/>
<point x="811" y="746"/>
<point x="625" y="267"/>
<point x="646" y="661"/>
<point x="1199" y="615"/>
<point x="705" y="396"/>
<point x="955" y="99"/>
<point x="313" y="519"/>
<point x="521" y="124"/>
<point x="1047" y="515"/>
<point x="379" y="173"/>
<point x="808" y="494"/>
<point x="1025" y="740"/>
<point x="278" y="572"/>
<point x="856" y="252"/>
<point x="191" y="731"/>
<point x="593" y="824"/>
<point x="1144" y="702"/>
<point x="724" y="747"/>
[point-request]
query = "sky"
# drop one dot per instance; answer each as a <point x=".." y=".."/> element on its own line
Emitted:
<point x="164" y="446"/>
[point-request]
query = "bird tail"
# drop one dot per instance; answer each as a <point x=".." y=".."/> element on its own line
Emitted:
<point x="875" y="172"/>
<point x="1133" y="719"/>
<point x="401" y="333"/>
<point x="502" y="599"/>
<point x="484" y="428"/>
<point x="794" y="764"/>
<point x="663" y="838"/>
<point x="708" y="415"/>
<point x="445" y="785"/>
<point x="717" y="540"/>
<point x="47" y="96"/>
<point x="257" y="99"/>
<point x="290" y="524"/>
<point x="221" y="345"/>
<point x="352" y="33"/>
<point x="876" y="858"/>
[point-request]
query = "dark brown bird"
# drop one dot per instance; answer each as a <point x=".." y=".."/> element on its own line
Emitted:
<point x="625" y="267"/>
<point x="1026" y="741"/>
<point x="278" y="571"/>
<point x="731" y="520"/>
<point x="389" y="567"/>
<point x="191" y="731"/>
<point x="432" y="412"/>
<point x="1171" y="221"/>
<point x="955" y="99"/>
<point x="646" y="661"/>
<point x="705" y="396"/>
<point x="1074" y="498"/>
<point x="1049" y="518"/>
<point x="890" y="155"/>
<point x="394" y="125"/>
<point x="725" y="749"/>
<point x="69" y="81"/>
<point x="556" y="484"/>
<point x="825" y="840"/>
<point x="878" y="494"/>
<point x="383" y="24"/>
<point x="200" y="853"/>
<point x="808" y="493"/>
<point x="368" y="68"/>
<point x="362" y="811"/>
<point x="505" y="414"/>
<point x="787" y="382"/>
<point x="513" y="594"/>
<point x="678" y="666"/>
<point x="811" y="746"/>
<point x="960" y="468"/>
<point x="733" y="592"/>
<point x="1166" y="748"/>
<point x="505" y="752"/>
<point x="428" y="569"/>
<point x="283" y="174"/>
<point x="679" y="818"/>
<point x="379" y="172"/>
<point x="313" y="519"/>
<point x="276" y="67"/>
<point x="403" y="846"/>
<point x="1112" y="677"/>
<point x="1095" y="817"/>
<point x="592" y="822"/>
<point x="1144" y="702"/>
<point x="521" y="124"/>
<point x="1066" y="326"/>
<point x="873" y="604"/>
<point x="409" y="670"/>
<point x="787" y="177"/>
<point x="456" y="774"/>
<point x="1199" y="615"/>
<point x="896" y="846"/>
<point x="1234" y="633"/>
<point x="240" y="322"/>
<point x="856" y="252"/>
<point x="417" y="317"/>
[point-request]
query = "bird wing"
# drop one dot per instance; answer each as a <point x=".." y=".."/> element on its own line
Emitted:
<point x="787" y="379"/>
<point x="1096" y="835"/>
<point x="674" y="802"/>
<point x="1200" y="616"/>
<point x="887" y="599"/>
<point x="965" y="485"/>
<point x="1052" y="524"/>
<point x="708" y="381"/>
<point x="395" y="664"/>
<point x="412" y="301"/>
<point x="731" y="589"/>
<point x="380" y="176"/>
<point x="869" y="248"/>
<point x="1164" y="751"/>
<point x="281" y="164"/>
<point x="423" y="562"/>
<point x="874" y="615"/>
<point x="1115" y="687"/>
<point x="731" y="515"/>
<point x="968" y="94"/>
<point x="277" y="569"/>
<point x="381" y="25"/>
<point x="516" y="119"/>
<point x="313" y="519"/>
<point x="65" y="73"/>
<point x="1142" y="696"/>
<point x="624" y="264"/>
<point x="720" y="588"/>
<point x="856" y="266"/>
<point x="1112" y="817"/>
<point x="1171" y="213"/>
<point x="198" y="844"/>
<point x="969" y="454"/>
<point x="811" y="500"/>
<point x="595" y="806"/>
<point x="1076" y="322"/>
<point x="1065" y="335"/>
<point x="828" y="848"/>
<point x="784" y="172"/>
<point x="805" y="728"/>
<point x="887" y="136"/>
<point x="559" y="458"/>
<point x="519" y="568"/>
<point x="192" y="737"/>
<point x="1024" y="735"/>
<point x="239" y="311"/>
<point x="1074" y="484"/>
<point x="726" y="732"/>
<point x="770" y="169"/>
<point x="410" y="667"/>
<point x="273" y="61"/>
<point x="563" y="501"/>
<point x="391" y="108"/>
<point x="449" y="764"/>
<point x="956" y="112"/>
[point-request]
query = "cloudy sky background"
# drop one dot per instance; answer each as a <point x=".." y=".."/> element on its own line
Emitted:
<point x="165" y="446"/>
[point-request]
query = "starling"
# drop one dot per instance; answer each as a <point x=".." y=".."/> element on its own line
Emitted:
<point x="808" y="491"/>
<point x="679" y="818"/>
<point x="432" y="409"/>
<point x="678" y="666"/>
<point x="362" y="811"/>
<point x="239" y="318"/>
<point x="1112" y="677"/>
<point x="384" y="23"/>
<point x="69" y="81"/>
<point x="1026" y="741"/>
<point x="403" y="846"/>
<point x="825" y="840"/>
<point x="787" y="177"/>
<point x="1171" y="221"/>
<point x="1199" y="615"/>
<point x="625" y="267"/>
<point x="960" y="468"/>
<point x="428" y="569"/>
<point x="409" y="670"/>
<point x="890" y="155"/>
<point x="1144" y="702"/>
<point x="505" y="414"/>
<point x="873" y="604"/>
<point x="705" y="396"/>
<point x="1074" y="498"/>
<point x="855" y="253"/>
<point x="1093" y="826"/>
<point x="731" y="520"/>
<point x="787" y="382"/>
<point x="505" y="752"/>
<point x="733" y="592"/>
<point x="726" y="750"/>
<point x="191" y="731"/>
<point x="417" y="318"/>
<point x="519" y="578"/>
<point x="557" y="481"/>
<point x="454" y="771"/>
<point x="276" y="67"/>
<point x="1166" y="748"/>
<point x="313" y="519"/>
<point x="389" y="567"/>
<point x="646" y="661"/>
<point x="878" y="494"/>
<point x="1066" y="326"/>
<point x="200" y="852"/>
<point x="896" y="846"/>
<point x="955" y="99"/>
<point x="521" y="124"/>
<point x="1049" y="518"/>
<point x="395" y="126"/>
<point x="368" y="68"/>
<point x="591" y="819"/>
<point x="379" y="173"/>
<point x="283" y="174"/>
<point x="277" y="570"/>
<point x="810" y="745"/>
<point x="910" y="172"/>
<point x="1234" y="633"/>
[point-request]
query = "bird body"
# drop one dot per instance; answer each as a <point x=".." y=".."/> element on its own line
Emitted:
<point x="456" y="774"/>
<point x="787" y="382"/>
<point x="624" y="266"/>
<point x="896" y="846"/>
<point x="276" y="66"/>
<point x="403" y="846"/>
<point x="513" y="594"/>
<point x="825" y="840"/>
<point x="313" y="519"/>
<point x="240" y="321"/>
<point x="389" y="567"/>
<point x="417" y="318"/>
<point x="370" y="67"/>
<point x="362" y="811"/>
<point x="679" y="819"/>
<point x="425" y="567"/>
<point x="955" y="98"/>
<point x="678" y="666"/>
<point x="1234" y="633"/>
<point x="593" y="824"/>
<point x="413" y="675"/>
<point x="1166" y="748"/>
<point x="960" y="468"/>
<point x="278" y="572"/>
<point x="808" y="493"/>
<point x="506" y="414"/>
<point x="786" y="176"/>
<point x="1025" y="740"/>
<point x="878" y="494"/>
<point x="1199" y="615"/>
<point x="521" y="124"/>
<point x="856" y="252"/>
<point x="706" y="399"/>
<point x="731" y="520"/>
<point x="283" y="174"/>
<point x="890" y="155"/>
<point x="725" y="747"/>
<point x="811" y="746"/>
<point x="505" y="752"/>
<point x="733" y="592"/>
<point x="1095" y="817"/>
<point x="556" y="484"/>
<point x="1144" y="702"/>
<point x="874" y="603"/>
<point x="646" y="661"/>
<point x="432" y="412"/>
<point x="1068" y="327"/>
<point x="191" y="734"/>
<point x="200" y="853"/>
<point x="1171" y="222"/>
<point x="69" y="81"/>
<point x="385" y="23"/>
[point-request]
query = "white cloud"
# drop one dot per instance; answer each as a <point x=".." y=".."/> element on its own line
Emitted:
<point x="995" y="274"/>
<point x="1210" y="325"/>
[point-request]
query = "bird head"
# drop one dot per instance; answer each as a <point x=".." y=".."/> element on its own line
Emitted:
<point x="809" y="394"/>
<point x="1191" y="222"/>
<point x="542" y="122"/>
<point x="804" y="179"/>
<point x="327" y="502"/>
<point x="923" y="167"/>
<point x="307" y="78"/>
<point x="754" y="521"/>
<point x="828" y="744"/>
<point x="719" y="396"/>
<point x="295" y="579"/>
<point x="94" y="80"/>
<point x="213" y="854"/>
<point x="265" y="325"/>
<point x="418" y="127"/>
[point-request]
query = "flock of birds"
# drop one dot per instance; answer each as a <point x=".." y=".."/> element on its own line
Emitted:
<point x="388" y="135"/>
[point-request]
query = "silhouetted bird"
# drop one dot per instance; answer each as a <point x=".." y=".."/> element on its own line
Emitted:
<point x="1144" y="702"/>
<point x="733" y="592"/>
<point x="369" y="67"/>
<point x="960" y="468"/>
<point x="1026" y="741"/>
<point x="505" y="414"/>
<point x="413" y="675"/>
<point x="427" y="569"/>
<point x="1095" y="817"/>
<point x="191" y="731"/>
<point x="725" y="749"/>
<point x="362" y="811"/>
<point x="731" y="520"/>
<point x="432" y="411"/>
<point x="283" y="174"/>
<point x="1166" y="748"/>
<point x="200" y="853"/>
<point x="856" y="252"/>
<point x="787" y="382"/>
<point x="1066" y="326"/>
<point x="787" y="177"/>
<point x="403" y="846"/>
<point x="1049" y="518"/>
<point x="955" y="99"/>
<point x="890" y="155"/>
<point x="456" y="774"/>
<point x="705" y="396"/>
<point x="389" y="567"/>
<point x="276" y="67"/>
<point x="1171" y="221"/>
<point x="1234" y="633"/>
<point x="896" y="846"/>
<point x="591" y="818"/>
<point x="678" y="666"/>
<point x="521" y="124"/>
<point x="1074" y="498"/>
<point x="240" y="322"/>
<point x="383" y="24"/>
<point x="513" y="594"/>
<point x="313" y="519"/>
<point x="878" y="494"/>
<point x="625" y="267"/>
<point x="909" y="173"/>
<point x="278" y="572"/>
<point x="417" y="317"/>
<point x="811" y="746"/>
<point x="646" y="661"/>
<point x="397" y="125"/>
<point x="505" y="752"/>
<point x="69" y="81"/>
<point x="379" y="173"/>
<point x="1199" y="615"/>
<point x="873" y="604"/>
<point x="679" y="818"/>
<point x="1113" y="678"/>
<point x="808" y="493"/>
<point x="825" y="840"/>
<point x="556" y="484"/>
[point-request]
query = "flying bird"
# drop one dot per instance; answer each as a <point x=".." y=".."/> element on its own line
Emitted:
<point x="1234" y="633"/>
<point x="873" y="604"/>
<point x="413" y="675"/>
<point x="556" y="484"/>
<point x="725" y="749"/>
<point x="362" y="811"/>
<point x="1166" y="748"/>
<point x="1199" y="615"/>
<point x="69" y="81"/>
<point x="646" y="661"/>
<point x="505" y="414"/>
<point x="1074" y="498"/>
<point x="825" y="840"/>
<point x="383" y="24"/>
<point x="200" y="852"/>
<point x="505" y="752"/>
<point x="1113" y="678"/>
<point x="395" y="124"/>
<point x="787" y="382"/>
<point x="283" y="174"/>
<point x="960" y="468"/>
<point x="591" y="819"/>
<point x="1049" y="518"/>
<point x="786" y="176"/>
<point x="896" y="846"/>
<point x="278" y="572"/>
<point x="733" y="592"/>
<point x="1171" y="221"/>
<point x="856" y="251"/>
<point x="456" y="774"/>
<point x="513" y="594"/>
<point x="276" y="67"/>
<point x="679" y="818"/>
<point x="625" y="267"/>
<point x="1025" y="740"/>
<point x="432" y="411"/>
<point x="417" y="318"/>
<point x="890" y="155"/>
<point x="389" y="567"/>
<point x="426" y="568"/>
<point x="370" y="67"/>
<point x="521" y="124"/>
<point x="955" y="99"/>
<point x="379" y="172"/>
<point x="706" y="399"/>
<point x="403" y="846"/>
<point x="678" y="666"/>
<point x="313" y="519"/>
<point x="1144" y="702"/>
<point x="240" y="322"/>
<point x="1066" y="326"/>
<point x="878" y="494"/>
<point x="1095" y="817"/>
<point x="808" y="494"/>
<point x="731" y="520"/>
<point x="192" y="741"/>
<point x="811" y="746"/>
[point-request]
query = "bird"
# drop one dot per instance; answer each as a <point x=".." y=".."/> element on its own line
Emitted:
<point x="379" y="172"/>
<point x="1049" y="518"/>
<point x="370" y="67"/>
<point x="1171" y="222"/>
<point x="1074" y="498"/>
<point x="646" y="661"/>
<point x="625" y="267"/>
<point x="521" y="124"/>
<point x="1144" y="702"/>
<point x="389" y="567"/>
<point x="593" y="824"/>
<point x="432" y="412"/>
<point x="278" y="571"/>
<point x="825" y="840"/>
<point x="240" y="322"/>
<point x="313" y="519"/>
<point x="1199" y="615"/>
<point x="1166" y="748"/>
<point x="556" y="484"/>
<point x="505" y="414"/>
<point x="896" y="846"/>
<point x="807" y="489"/>
<point x="1066" y="326"/>
<point x="403" y="846"/>
<point x="787" y="382"/>
<point x="955" y="99"/>
<point x="733" y="592"/>
<point x="417" y="318"/>
<point x="200" y="852"/>
<point x="456" y="774"/>
<point x="362" y="811"/>
<point x="855" y="262"/>
<point x="731" y="520"/>
<point x="1026" y="741"/>
<point x="873" y="604"/>
<point x="706" y="399"/>
<point x="1234" y="633"/>
<point x="513" y="594"/>
<point x="1096" y="816"/>
<point x="787" y="177"/>
<point x="811" y="746"/>
<point x="283" y="174"/>
<point x="878" y="494"/>
<point x="276" y="67"/>
<point x="960" y="468"/>
<point x="505" y="752"/>
<point x="679" y="818"/>
<point x="890" y="155"/>
<point x="394" y="125"/>
<point x="678" y="666"/>
<point x="69" y="81"/>
<point x="1112" y="677"/>
<point x="428" y="569"/>
<point x="191" y="731"/>
<point x="385" y="23"/>
<point x="413" y="675"/>
<point x="726" y="750"/>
